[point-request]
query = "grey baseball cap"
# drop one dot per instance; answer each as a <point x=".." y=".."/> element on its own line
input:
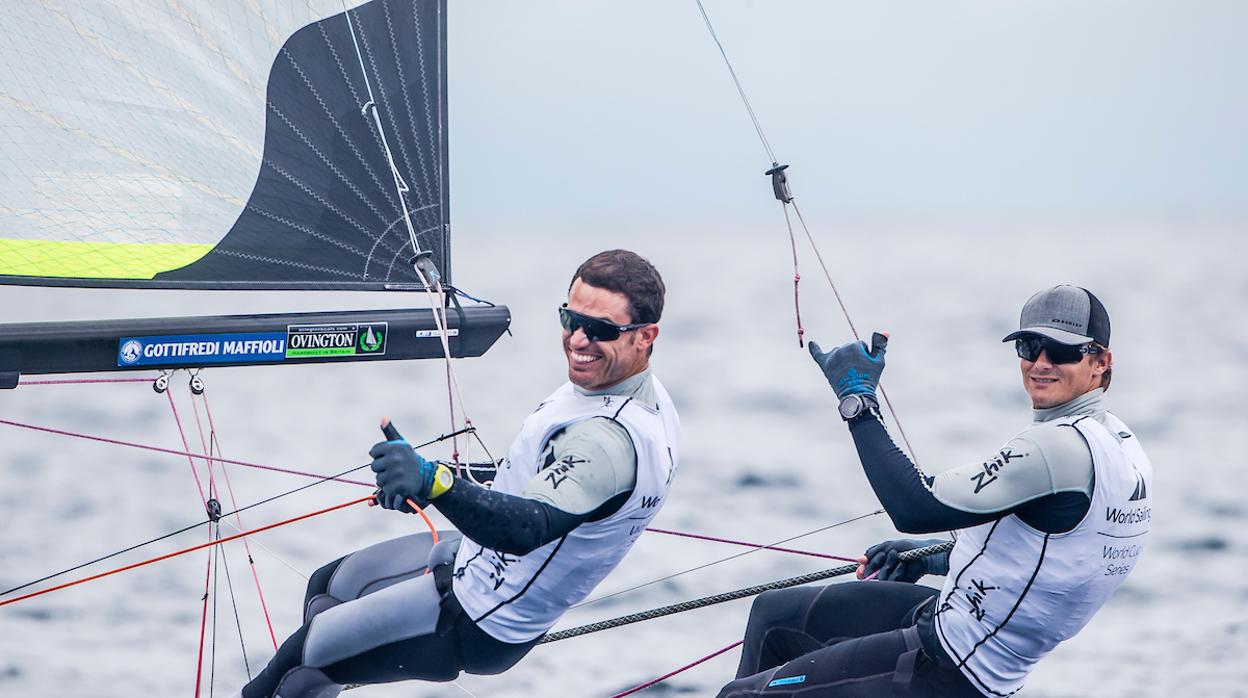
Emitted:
<point x="1067" y="314"/>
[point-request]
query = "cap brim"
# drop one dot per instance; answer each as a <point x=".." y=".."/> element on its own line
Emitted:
<point x="1052" y="333"/>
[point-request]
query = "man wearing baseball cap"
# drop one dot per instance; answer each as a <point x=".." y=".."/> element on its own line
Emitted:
<point x="1046" y="528"/>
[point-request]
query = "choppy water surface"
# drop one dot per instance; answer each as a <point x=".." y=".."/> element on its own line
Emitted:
<point x="764" y="456"/>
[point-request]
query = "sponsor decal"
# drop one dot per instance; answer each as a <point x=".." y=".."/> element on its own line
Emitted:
<point x="424" y="334"/>
<point x="788" y="681"/>
<point x="1119" y="560"/>
<point x="991" y="468"/>
<point x="1128" y="516"/>
<point x="976" y="596"/>
<point x="1121" y="552"/>
<point x="363" y="339"/>
<point x="200" y="349"/>
<point x="558" y="472"/>
<point x="1141" y="489"/>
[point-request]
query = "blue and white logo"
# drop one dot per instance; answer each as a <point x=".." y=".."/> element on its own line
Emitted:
<point x="131" y="352"/>
<point x="788" y="681"/>
<point x="202" y="349"/>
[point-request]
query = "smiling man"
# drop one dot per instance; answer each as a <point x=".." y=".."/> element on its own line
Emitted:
<point x="588" y="471"/>
<point x="1049" y="525"/>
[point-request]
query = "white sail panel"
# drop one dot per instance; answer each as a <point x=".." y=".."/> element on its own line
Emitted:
<point x="136" y="136"/>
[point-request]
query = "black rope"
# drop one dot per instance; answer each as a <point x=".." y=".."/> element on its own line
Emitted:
<point x="193" y="526"/>
<point x="229" y="584"/>
<point x="726" y="559"/>
<point x="729" y="596"/>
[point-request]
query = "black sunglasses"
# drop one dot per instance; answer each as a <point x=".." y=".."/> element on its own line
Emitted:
<point x="596" y="329"/>
<point x="1030" y="346"/>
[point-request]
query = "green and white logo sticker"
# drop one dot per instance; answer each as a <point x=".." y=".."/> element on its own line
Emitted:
<point x="315" y="341"/>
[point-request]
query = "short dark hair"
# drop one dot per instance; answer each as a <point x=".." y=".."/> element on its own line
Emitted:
<point x="628" y="273"/>
<point x="1108" y="375"/>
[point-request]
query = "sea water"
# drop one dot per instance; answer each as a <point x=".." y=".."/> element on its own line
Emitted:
<point x="763" y="455"/>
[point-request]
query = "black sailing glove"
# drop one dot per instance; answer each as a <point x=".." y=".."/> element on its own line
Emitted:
<point x="850" y="368"/>
<point x="885" y="558"/>
<point x="403" y="474"/>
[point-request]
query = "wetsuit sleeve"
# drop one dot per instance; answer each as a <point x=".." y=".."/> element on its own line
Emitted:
<point x="589" y="473"/>
<point x="1046" y="459"/>
<point x="504" y="522"/>
<point x="910" y="499"/>
<point x="588" y="464"/>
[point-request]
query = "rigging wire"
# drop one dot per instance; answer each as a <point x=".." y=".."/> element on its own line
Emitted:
<point x="185" y="551"/>
<point x="726" y="559"/>
<point x="759" y="546"/>
<point x="758" y="128"/>
<point x="168" y="451"/>
<point x="203" y="623"/>
<point x="714" y="599"/>
<point x="82" y="381"/>
<point x="783" y="193"/>
<point x="190" y="457"/>
<point x="215" y="449"/>
<point x="421" y="263"/>
<point x="190" y="527"/>
<point x="670" y="674"/>
<point x="216" y="594"/>
<point x="238" y="621"/>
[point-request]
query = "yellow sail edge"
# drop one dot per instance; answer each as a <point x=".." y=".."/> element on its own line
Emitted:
<point x="95" y="260"/>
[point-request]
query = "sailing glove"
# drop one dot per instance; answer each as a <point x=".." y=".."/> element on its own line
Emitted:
<point x="850" y="368"/>
<point x="885" y="558"/>
<point x="403" y="474"/>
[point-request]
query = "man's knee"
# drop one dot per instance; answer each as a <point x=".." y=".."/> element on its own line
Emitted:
<point x="774" y="608"/>
<point x="306" y="682"/>
<point x="743" y="688"/>
<point x="317" y="598"/>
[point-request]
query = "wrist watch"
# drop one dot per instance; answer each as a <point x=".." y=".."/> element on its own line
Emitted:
<point x="856" y="404"/>
<point x="443" y="479"/>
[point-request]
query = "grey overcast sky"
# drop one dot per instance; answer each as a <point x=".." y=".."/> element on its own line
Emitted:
<point x="578" y="111"/>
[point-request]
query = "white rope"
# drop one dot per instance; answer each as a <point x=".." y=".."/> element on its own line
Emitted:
<point x="256" y="540"/>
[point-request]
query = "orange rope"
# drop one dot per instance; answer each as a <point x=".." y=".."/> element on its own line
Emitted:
<point x="432" y="529"/>
<point x="190" y="550"/>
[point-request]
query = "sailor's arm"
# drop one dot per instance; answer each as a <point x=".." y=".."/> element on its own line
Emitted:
<point x="1050" y="493"/>
<point x="591" y="473"/>
<point x="903" y="489"/>
<point x="1044" y="461"/>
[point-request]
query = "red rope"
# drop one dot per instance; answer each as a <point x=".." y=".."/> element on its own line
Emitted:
<point x="189" y="456"/>
<point x="174" y="452"/>
<point x="670" y="674"/>
<point x="797" y="277"/>
<point x="184" y="551"/>
<point x="215" y="447"/>
<point x="713" y="539"/>
<point x="203" y="624"/>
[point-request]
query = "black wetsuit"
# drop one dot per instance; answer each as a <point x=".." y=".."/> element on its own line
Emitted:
<point x="873" y="638"/>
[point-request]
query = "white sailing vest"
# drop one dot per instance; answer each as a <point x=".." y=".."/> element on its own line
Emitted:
<point x="1013" y="592"/>
<point x="516" y="599"/>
